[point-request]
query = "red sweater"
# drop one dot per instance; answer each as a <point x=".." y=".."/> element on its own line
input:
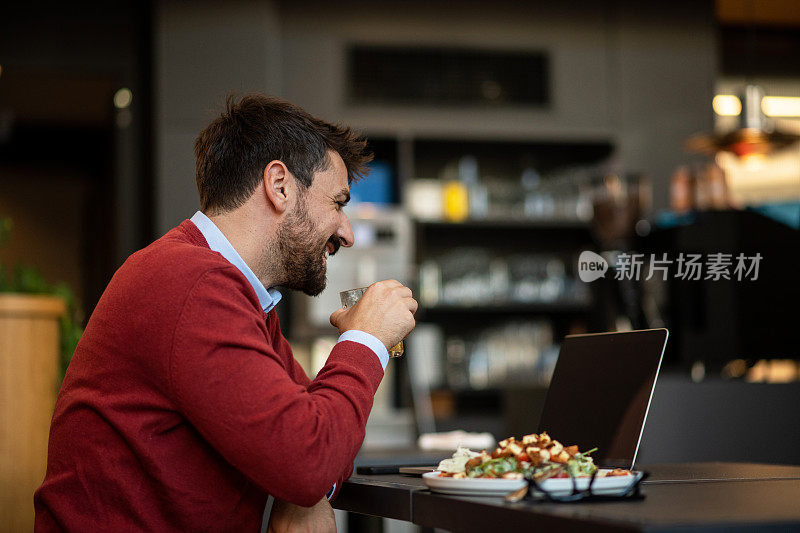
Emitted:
<point x="183" y="407"/>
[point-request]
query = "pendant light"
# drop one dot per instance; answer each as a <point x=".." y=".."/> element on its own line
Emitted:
<point x="753" y="137"/>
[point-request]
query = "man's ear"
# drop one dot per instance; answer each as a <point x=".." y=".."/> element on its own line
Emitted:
<point x="278" y="185"/>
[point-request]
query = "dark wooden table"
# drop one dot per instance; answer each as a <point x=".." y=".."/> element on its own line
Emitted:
<point x="678" y="497"/>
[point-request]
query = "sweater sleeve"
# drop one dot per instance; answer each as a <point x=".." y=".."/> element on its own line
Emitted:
<point x="281" y="346"/>
<point x="232" y="384"/>
<point x="347" y="473"/>
<point x="299" y="376"/>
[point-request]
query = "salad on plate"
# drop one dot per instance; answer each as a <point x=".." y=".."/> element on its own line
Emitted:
<point x="534" y="456"/>
<point x="556" y="470"/>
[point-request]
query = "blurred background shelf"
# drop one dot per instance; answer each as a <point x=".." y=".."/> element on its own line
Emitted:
<point x="513" y="409"/>
<point x="537" y="308"/>
<point x="506" y="223"/>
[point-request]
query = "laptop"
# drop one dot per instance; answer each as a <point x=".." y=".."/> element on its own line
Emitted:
<point x="600" y="392"/>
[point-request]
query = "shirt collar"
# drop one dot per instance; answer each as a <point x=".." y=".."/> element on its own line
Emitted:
<point x="268" y="298"/>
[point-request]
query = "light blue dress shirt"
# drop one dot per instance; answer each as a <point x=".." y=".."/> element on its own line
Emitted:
<point x="269" y="297"/>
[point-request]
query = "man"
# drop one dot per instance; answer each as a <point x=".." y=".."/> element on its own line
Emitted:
<point x="183" y="408"/>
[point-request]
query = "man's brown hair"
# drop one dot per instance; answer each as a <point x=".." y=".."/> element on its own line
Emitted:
<point x="233" y="151"/>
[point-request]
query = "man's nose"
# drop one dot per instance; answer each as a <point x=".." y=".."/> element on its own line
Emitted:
<point x="345" y="232"/>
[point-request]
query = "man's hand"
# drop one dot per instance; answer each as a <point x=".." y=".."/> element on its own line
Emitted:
<point x="289" y="518"/>
<point x="386" y="311"/>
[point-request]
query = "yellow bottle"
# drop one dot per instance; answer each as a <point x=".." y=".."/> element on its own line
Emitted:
<point x="456" y="201"/>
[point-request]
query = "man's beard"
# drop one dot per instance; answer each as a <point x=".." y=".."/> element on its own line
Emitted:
<point x="303" y="255"/>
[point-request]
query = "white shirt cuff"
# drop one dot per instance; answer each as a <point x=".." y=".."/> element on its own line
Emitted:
<point x="368" y="340"/>
<point x="330" y="492"/>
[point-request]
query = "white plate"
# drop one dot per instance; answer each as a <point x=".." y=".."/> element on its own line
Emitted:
<point x="472" y="486"/>
<point x="611" y="485"/>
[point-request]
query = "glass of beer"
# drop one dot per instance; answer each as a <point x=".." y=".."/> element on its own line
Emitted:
<point x="350" y="297"/>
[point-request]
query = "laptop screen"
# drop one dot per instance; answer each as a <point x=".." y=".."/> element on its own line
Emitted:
<point x="600" y="392"/>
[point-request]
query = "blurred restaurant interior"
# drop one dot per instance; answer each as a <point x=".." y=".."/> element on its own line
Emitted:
<point x="509" y="137"/>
